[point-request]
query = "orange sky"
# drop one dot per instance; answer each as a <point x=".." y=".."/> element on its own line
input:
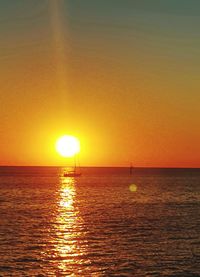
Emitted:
<point x="124" y="78"/>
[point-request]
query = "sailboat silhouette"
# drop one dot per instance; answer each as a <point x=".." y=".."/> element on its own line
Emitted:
<point x="75" y="172"/>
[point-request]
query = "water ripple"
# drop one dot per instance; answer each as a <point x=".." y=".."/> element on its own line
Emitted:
<point x="96" y="226"/>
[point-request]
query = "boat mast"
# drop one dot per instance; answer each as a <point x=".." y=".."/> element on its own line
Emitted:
<point x="75" y="163"/>
<point x="131" y="169"/>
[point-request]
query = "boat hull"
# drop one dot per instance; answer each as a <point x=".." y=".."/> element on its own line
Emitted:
<point x="72" y="174"/>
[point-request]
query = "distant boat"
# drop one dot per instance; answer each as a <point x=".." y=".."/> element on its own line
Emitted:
<point x="131" y="169"/>
<point x="73" y="173"/>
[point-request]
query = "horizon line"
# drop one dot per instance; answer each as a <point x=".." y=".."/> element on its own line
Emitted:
<point x="105" y="166"/>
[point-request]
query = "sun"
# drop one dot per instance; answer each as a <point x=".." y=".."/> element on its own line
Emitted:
<point x="68" y="146"/>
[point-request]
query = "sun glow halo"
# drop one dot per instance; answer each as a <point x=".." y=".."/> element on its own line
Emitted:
<point x="68" y="146"/>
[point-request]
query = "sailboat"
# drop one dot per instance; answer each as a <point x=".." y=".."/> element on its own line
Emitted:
<point x="73" y="173"/>
<point x="131" y="169"/>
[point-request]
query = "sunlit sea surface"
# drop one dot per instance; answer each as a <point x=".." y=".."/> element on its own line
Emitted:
<point x="104" y="223"/>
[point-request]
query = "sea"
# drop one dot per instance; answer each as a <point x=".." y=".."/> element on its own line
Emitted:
<point x="107" y="222"/>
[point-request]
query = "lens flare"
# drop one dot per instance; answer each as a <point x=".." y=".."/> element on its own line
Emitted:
<point x="133" y="188"/>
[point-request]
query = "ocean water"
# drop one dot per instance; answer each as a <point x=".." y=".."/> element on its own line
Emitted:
<point x="105" y="223"/>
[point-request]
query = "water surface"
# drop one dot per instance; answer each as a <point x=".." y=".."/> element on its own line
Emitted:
<point x="97" y="225"/>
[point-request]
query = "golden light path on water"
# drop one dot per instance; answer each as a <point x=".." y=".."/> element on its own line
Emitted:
<point x="70" y="245"/>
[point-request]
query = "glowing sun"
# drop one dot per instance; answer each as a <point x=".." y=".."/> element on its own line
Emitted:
<point x="67" y="146"/>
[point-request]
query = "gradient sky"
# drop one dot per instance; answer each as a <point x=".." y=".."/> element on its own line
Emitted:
<point x="122" y="75"/>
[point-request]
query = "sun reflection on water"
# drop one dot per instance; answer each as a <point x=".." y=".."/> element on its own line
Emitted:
<point x="70" y="246"/>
